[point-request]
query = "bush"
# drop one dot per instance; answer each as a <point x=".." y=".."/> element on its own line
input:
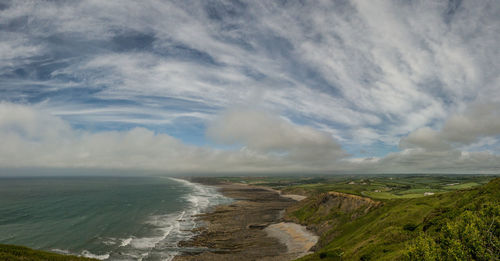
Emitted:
<point x="365" y="257"/>
<point x="335" y="254"/>
<point x="410" y="227"/>
<point x="471" y="235"/>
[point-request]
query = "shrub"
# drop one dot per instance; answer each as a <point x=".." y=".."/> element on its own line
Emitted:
<point x="410" y="227"/>
<point x="471" y="235"/>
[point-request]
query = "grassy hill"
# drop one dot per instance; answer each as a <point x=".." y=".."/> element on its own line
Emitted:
<point x="457" y="225"/>
<point x="20" y="253"/>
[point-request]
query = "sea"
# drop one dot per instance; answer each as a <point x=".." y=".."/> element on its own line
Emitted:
<point x="108" y="218"/>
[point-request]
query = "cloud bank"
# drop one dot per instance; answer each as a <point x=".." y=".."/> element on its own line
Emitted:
<point x="270" y="134"/>
<point x="263" y="142"/>
<point x="29" y="138"/>
<point x="477" y="122"/>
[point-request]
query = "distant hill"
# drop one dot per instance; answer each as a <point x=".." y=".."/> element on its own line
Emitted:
<point x="20" y="253"/>
<point x="457" y="225"/>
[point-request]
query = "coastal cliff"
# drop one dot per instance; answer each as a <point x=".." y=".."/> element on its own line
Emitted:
<point x="322" y="213"/>
<point x="458" y="225"/>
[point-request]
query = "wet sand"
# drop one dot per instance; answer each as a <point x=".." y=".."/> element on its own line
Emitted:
<point x="297" y="238"/>
<point x="241" y="231"/>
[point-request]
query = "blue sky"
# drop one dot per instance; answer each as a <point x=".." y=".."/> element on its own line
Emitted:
<point x="320" y="86"/>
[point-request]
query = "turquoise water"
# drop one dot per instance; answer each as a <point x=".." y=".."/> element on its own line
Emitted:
<point x="110" y="218"/>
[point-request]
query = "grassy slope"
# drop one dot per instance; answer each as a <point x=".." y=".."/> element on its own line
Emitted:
<point x="17" y="253"/>
<point x="384" y="187"/>
<point x="381" y="234"/>
<point x="326" y="212"/>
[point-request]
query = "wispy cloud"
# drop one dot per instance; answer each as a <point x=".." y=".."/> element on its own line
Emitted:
<point x="372" y="74"/>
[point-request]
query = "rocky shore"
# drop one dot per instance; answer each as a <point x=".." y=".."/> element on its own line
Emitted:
<point x="239" y="231"/>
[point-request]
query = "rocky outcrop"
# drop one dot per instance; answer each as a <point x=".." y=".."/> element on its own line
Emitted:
<point x="322" y="213"/>
<point x="347" y="203"/>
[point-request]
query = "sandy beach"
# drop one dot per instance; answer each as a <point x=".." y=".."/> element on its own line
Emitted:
<point x="297" y="238"/>
<point x="250" y="228"/>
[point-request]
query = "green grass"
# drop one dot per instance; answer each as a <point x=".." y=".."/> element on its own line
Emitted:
<point x="20" y="253"/>
<point x="310" y="189"/>
<point x="387" y="232"/>
<point x="410" y="193"/>
<point x="379" y="195"/>
<point x="387" y="195"/>
<point x="462" y="186"/>
<point x="420" y="191"/>
<point x="390" y="187"/>
<point x="380" y="233"/>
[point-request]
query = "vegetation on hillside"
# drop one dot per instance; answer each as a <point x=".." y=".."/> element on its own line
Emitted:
<point x="380" y="187"/>
<point x="459" y="225"/>
<point x="326" y="212"/>
<point x="470" y="230"/>
<point x="20" y="253"/>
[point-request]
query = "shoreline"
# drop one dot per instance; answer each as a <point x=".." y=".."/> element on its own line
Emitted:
<point x="298" y="240"/>
<point x="250" y="228"/>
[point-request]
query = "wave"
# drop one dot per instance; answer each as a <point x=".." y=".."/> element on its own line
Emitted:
<point x="126" y="241"/>
<point x="170" y="229"/>
<point x="61" y="251"/>
<point x="86" y="253"/>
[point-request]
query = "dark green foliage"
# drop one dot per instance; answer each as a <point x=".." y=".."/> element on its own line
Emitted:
<point x="365" y="257"/>
<point x="20" y="253"/>
<point x="410" y="227"/>
<point x="469" y="231"/>
<point x="335" y="254"/>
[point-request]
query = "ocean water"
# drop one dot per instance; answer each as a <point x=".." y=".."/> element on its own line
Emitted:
<point x="109" y="218"/>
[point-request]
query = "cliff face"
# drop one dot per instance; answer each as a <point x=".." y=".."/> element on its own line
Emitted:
<point x="324" y="212"/>
<point x="347" y="203"/>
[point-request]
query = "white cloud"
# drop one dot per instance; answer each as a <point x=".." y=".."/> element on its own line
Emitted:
<point x="450" y="161"/>
<point x="425" y="138"/>
<point x="341" y="42"/>
<point x="31" y="138"/>
<point x="366" y="72"/>
<point x="479" y="120"/>
<point x="456" y="147"/>
<point x="266" y="133"/>
<point x="15" y="48"/>
<point x="265" y="143"/>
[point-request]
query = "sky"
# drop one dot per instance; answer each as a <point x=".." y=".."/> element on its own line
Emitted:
<point x="251" y="86"/>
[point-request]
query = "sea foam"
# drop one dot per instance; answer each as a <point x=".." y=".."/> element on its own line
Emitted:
<point x="86" y="253"/>
<point x="174" y="227"/>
